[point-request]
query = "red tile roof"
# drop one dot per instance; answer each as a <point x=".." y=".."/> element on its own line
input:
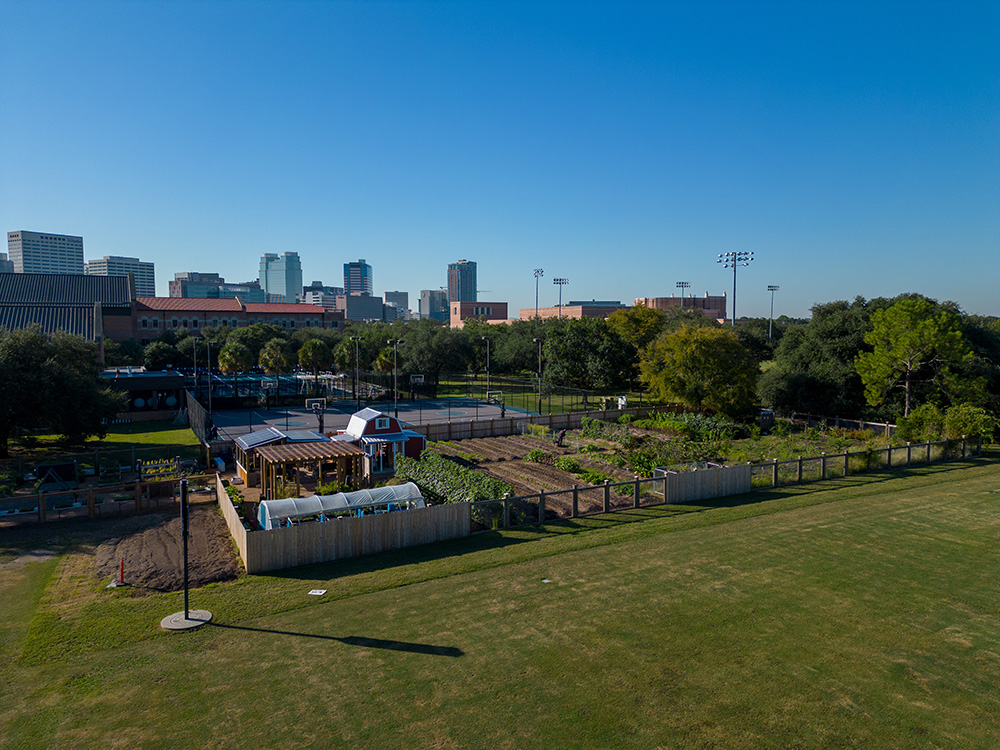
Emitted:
<point x="184" y="303"/>
<point x="283" y="308"/>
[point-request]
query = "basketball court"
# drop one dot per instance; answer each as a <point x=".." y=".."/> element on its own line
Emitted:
<point x="234" y="423"/>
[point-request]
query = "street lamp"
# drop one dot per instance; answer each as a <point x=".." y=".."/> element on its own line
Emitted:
<point x="357" y="370"/>
<point x="682" y="285"/>
<point x="772" y="288"/>
<point x="538" y="274"/>
<point x="539" y="342"/>
<point x="732" y="260"/>
<point x="560" y="283"/>
<point x="487" y="340"/>
<point x="395" y="396"/>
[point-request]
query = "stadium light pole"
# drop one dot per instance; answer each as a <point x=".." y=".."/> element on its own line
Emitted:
<point x="772" y="288"/>
<point x="357" y="370"/>
<point x="395" y="397"/>
<point x="538" y="274"/>
<point x="734" y="260"/>
<point x="560" y="283"/>
<point x="682" y="285"/>
<point x="539" y="342"/>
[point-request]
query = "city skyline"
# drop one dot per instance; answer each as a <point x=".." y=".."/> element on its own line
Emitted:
<point x="853" y="147"/>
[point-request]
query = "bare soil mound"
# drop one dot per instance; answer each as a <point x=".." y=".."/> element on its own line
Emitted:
<point x="153" y="551"/>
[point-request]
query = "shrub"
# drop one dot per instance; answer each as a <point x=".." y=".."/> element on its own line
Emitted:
<point x="565" y="463"/>
<point x="592" y="476"/>
<point x="970" y="421"/>
<point x="925" y="423"/>
<point x="535" y="456"/>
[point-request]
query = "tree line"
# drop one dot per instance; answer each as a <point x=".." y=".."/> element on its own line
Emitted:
<point x="879" y="359"/>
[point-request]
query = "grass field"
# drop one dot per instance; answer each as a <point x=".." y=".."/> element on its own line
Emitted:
<point x="861" y="612"/>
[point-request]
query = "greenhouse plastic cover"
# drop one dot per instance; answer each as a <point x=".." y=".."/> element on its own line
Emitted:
<point x="272" y="511"/>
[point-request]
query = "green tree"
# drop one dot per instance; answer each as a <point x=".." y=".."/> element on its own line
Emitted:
<point x="158" y="355"/>
<point x="586" y="353"/>
<point x="273" y="359"/>
<point x="235" y="358"/>
<point x="702" y="367"/>
<point x="314" y="355"/>
<point x="52" y="382"/>
<point x="914" y="338"/>
<point x="638" y="326"/>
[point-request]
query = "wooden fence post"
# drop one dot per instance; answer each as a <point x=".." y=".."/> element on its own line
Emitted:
<point x="607" y="495"/>
<point x="847" y="456"/>
<point x="90" y="502"/>
<point x="576" y="506"/>
<point x="907" y="454"/>
<point x="40" y="499"/>
<point x="823" y="470"/>
<point x="963" y="446"/>
<point x="506" y="511"/>
<point x="665" y="475"/>
<point x="799" y="471"/>
<point x="541" y="506"/>
<point x="635" y="493"/>
<point x="928" y="451"/>
<point x="888" y="457"/>
<point x="774" y="472"/>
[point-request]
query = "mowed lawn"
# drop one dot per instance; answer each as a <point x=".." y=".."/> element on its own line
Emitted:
<point x="840" y="615"/>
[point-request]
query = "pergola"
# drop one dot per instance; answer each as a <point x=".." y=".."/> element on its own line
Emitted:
<point x="277" y="460"/>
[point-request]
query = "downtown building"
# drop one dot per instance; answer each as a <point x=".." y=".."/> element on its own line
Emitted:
<point x="195" y="285"/>
<point x="117" y="265"/>
<point x="281" y="276"/>
<point x="462" y="281"/>
<point x="40" y="252"/>
<point x="434" y="304"/>
<point x="358" y="278"/>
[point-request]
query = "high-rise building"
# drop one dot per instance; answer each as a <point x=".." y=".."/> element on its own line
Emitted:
<point x="434" y="304"/>
<point x="36" y="252"/>
<point x="462" y="281"/>
<point x="321" y="288"/>
<point x="281" y="276"/>
<point x="6" y="266"/>
<point x="399" y="299"/>
<point x="358" y="278"/>
<point x="116" y="265"/>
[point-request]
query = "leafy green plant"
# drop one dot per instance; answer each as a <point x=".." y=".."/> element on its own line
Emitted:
<point x="565" y="463"/>
<point x="535" y="455"/>
<point x="443" y="481"/>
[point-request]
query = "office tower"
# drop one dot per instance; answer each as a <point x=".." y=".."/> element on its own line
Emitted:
<point x="6" y="266"/>
<point x="358" y="278"/>
<point x="37" y="252"/>
<point x="462" y="281"/>
<point x="434" y="304"/>
<point x="281" y="276"/>
<point x="116" y="265"/>
<point x="399" y="299"/>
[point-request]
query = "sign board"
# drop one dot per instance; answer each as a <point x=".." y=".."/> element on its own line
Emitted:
<point x="267" y="385"/>
<point x="416" y="379"/>
<point x="315" y="403"/>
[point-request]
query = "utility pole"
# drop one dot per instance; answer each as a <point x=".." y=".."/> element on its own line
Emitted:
<point x="772" y="288"/>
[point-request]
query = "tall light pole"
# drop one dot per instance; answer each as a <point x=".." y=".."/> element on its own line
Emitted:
<point x="560" y="283"/>
<point x="772" y="288"/>
<point x="682" y="285"/>
<point x="487" y="340"/>
<point x="538" y="274"/>
<point x="732" y="260"/>
<point x="395" y="398"/>
<point x="539" y="342"/>
<point x="357" y="370"/>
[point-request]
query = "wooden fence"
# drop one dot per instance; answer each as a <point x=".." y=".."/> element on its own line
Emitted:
<point x="98" y="502"/>
<point x="518" y="423"/>
<point x="310" y="543"/>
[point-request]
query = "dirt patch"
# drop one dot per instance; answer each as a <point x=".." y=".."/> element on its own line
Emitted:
<point x="153" y="552"/>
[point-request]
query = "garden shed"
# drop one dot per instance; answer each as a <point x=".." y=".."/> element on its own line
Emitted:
<point x="382" y="438"/>
<point x="273" y="513"/>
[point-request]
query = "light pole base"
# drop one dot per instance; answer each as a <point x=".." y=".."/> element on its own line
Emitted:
<point x="195" y="619"/>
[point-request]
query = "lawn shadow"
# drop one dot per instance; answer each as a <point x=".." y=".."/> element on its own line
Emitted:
<point x="353" y="640"/>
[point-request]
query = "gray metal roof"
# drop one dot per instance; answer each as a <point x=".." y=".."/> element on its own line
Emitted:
<point x="259" y="438"/>
<point x="64" y="288"/>
<point x="78" y="319"/>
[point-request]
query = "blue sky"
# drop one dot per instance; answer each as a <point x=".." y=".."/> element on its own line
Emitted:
<point x="854" y="147"/>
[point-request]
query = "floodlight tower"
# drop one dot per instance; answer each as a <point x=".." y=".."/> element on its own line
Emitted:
<point x="772" y="288"/>
<point x="538" y="274"/>
<point x="733" y="260"/>
<point x="682" y="285"/>
<point x="560" y="283"/>
<point x="357" y="359"/>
